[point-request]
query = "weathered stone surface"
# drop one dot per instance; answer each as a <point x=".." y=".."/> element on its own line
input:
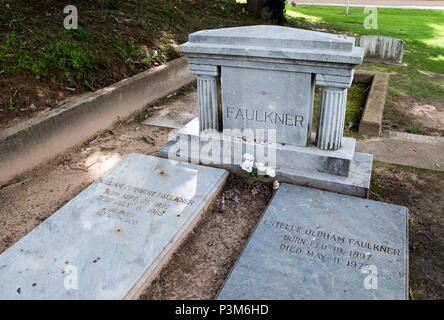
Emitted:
<point x="331" y="118"/>
<point x="274" y="42"/>
<point x="343" y="170"/>
<point x="177" y="113"/>
<point x="313" y="244"/>
<point x="382" y="48"/>
<point x="271" y="100"/>
<point x="114" y="235"/>
<point x="229" y="149"/>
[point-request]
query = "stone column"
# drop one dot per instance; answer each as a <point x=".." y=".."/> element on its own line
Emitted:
<point x="208" y="96"/>
<point x="331" y="118"/>
<point x="207" y="89"/>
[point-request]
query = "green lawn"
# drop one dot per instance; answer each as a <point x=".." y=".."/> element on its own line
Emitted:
<point x="41" y="63"/>
<point x="422" y="80"/>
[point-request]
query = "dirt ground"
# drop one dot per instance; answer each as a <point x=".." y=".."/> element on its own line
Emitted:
<point x="200" y="266"/>
<point x="421" y="191"/>
<point x="414" y="117"/>
<point x="32" y="197"/>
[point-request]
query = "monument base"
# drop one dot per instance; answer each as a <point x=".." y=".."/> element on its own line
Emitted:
<point x="344" y="171"/>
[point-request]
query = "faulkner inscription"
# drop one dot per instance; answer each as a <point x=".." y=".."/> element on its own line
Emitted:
<point x="285" y="119"/>
<point x="269" y="100"/>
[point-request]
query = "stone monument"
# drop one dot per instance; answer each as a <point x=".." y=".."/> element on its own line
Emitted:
<point x="256" y="89"/>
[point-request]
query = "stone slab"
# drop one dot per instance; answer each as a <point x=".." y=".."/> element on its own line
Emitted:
<point x="231" y="150"/>
<point x="296" y="165"/>
<point x="116" y="233"/>
<point x="176" y="114"/>
<point x="268" y="100"/>
<point x="356" y="184"/>
<point x="382" y="48"/>
<point x="313" y="244"/>
<point x="275" y="42"/>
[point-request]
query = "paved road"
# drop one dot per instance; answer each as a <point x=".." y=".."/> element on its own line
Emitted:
<point x="416" y="4"/>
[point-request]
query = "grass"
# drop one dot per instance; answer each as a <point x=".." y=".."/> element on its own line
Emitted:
<point x="40" y="46"/>
<point x="422" y="80"/>
<point x="41" y="63"/>
<point x="356" y="98"/>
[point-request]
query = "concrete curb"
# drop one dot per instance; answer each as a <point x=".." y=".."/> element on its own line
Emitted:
<point x="371" y="120"/>
<point x="26" y="145"/>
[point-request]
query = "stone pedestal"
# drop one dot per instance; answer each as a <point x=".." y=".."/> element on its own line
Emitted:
<point x="344" y="170"/>
<point x="256" y="92"/>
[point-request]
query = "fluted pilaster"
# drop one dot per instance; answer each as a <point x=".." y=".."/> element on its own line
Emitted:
<point x="208" y="96"/>
<point x="331" y="118"/>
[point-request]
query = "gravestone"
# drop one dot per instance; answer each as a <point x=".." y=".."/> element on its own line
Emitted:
<point x="256" y="89"/>
<point x="382" y="48"/>
<point x="313" y="244"/>
<point x="112" y="238"/>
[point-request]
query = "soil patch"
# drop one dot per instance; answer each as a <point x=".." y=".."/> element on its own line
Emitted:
<point x="414" y="117"/>
<point x="420" y="191"/>
<point x="200" y="266"/>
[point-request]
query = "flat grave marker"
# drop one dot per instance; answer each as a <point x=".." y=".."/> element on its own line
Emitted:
<point x="313" y="244"/>
<point x="110" y="239"/>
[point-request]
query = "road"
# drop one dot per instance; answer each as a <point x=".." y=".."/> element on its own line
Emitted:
<point x="413" y="4"/>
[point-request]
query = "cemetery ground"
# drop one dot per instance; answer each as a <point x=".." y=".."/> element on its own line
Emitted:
<point x="30" y="76"/>
<point x="199" y="267"/>
<point x="42" y="65"/>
